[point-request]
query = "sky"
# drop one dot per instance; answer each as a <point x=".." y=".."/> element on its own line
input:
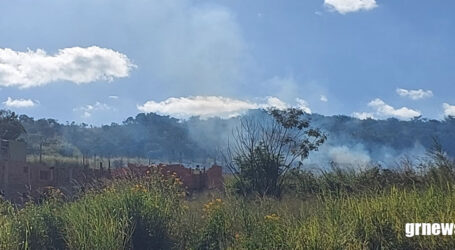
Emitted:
<point x="101" y="61"/>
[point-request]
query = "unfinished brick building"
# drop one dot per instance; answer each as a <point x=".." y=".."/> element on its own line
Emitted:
<point x="19" y="178"/>
<point x="14" y="172"/>
<point x="193" y="179"/>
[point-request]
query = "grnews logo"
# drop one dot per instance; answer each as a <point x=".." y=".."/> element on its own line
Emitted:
<point x="413" y="229"/>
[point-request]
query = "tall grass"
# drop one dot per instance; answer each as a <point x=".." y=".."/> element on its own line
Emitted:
<point x="122" y="214"/>
<point x="373" y="221"/>
<point x="9" y="238"/>
<point x="339" y="210"/>
<point x="96" y="222"/>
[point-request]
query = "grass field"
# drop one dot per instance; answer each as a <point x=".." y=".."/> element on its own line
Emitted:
<point x="155" y="213"/>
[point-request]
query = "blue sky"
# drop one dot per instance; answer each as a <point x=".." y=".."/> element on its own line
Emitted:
<point x="100" y="61"/>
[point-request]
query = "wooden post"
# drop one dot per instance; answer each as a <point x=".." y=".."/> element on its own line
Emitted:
<point x="40" y="152"/>
<point x="5" y="179"/>
<point x="109" y="167"/>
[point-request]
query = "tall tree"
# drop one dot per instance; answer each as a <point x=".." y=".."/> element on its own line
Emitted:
<point x="265" y="149"/>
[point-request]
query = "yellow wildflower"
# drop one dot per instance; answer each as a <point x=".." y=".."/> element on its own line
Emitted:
<point x="273" y="217"/>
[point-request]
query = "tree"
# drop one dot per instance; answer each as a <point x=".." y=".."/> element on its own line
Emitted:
<point x="10" y="126"/>
<point x="265" y="148"/>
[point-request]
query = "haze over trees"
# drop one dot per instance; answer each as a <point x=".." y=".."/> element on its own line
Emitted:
<point x="166" y="138"/>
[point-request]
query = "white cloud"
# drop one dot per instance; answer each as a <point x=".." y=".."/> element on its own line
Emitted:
<point x="363" y="115"/>
<point x="113" y="97"/>
<point x="385" y="110"/>
<point x="212" y="106"/>
<point x="346" y="6"/>
<point x="303" y="105"/>
<point x="273" y="102"/>
<point x="204" y="106"/>
<point x="19" y="103"/>
<point x="89" y="109"/>
<point x="449" y="110"/>
<point x="76" y="64"/>
<point x="323" y="98"/>
<point x="414" y="94"/>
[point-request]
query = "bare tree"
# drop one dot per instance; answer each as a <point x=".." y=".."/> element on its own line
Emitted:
<point x="264" y="149"/>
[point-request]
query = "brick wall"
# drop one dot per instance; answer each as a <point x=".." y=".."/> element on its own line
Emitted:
<point x="25" y="178"/>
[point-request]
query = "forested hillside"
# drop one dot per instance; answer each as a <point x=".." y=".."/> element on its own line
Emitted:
<point x="165" y="138"/>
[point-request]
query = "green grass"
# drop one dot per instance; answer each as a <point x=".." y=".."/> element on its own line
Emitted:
<point x="152" y="213"/>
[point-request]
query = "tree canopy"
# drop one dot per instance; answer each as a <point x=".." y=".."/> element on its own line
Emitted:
<point x="264" y="150"/>
<point x="10" y="126"/>
<point x="166" y="138"/>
